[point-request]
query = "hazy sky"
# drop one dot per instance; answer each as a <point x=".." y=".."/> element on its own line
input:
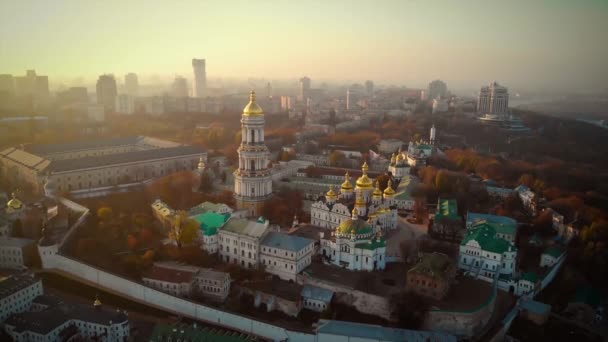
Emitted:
<point x="465" y="42"/>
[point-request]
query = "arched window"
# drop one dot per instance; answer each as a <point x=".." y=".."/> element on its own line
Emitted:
<point x="253" y="165"/>
<point x="252" y="136"/>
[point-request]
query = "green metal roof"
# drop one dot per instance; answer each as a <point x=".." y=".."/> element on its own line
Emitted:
<point x="485" y="235"/>
<point x="502" y="224"/>
<point x="530" y="276"/>
<point x="210" y="222"/>
<point x="374" y="244"/>
<point x="554" y="251"/>
<point x="447" y="208"/>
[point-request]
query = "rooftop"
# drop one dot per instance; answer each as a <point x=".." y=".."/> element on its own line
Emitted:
<point x="277" y="287"/>
<point x="210" y="222"/>
<point x="122" y="158"/>
<point x="447" y="209"/>
<point x="245" y="227"/>
<point x="433" y="264"/>
<point x="502" y="224"/>
<point x="15" y="283"/>
<point x="47" y="320"/>
<point x="379" y="333"/>
<point x="485" y="235"/>
<point x="317" y="293"/>
<point x="24" y="158"/>
<point x="43" y="149"/>
<point x="169" y="274"/>
<point x="15" y="242"/>
<point x="554" y="251"/>
<point x="282" y="241"/>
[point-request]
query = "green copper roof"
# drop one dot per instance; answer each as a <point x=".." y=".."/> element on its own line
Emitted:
<point x="486" y="237"/>
<point x="502" y="224"/>
<point x="210" y="222"/>
<point x="554" y="251"/>
<point x="530" y="276"/>
<point x="374" y="244"/>
<point x="447" y="208"/>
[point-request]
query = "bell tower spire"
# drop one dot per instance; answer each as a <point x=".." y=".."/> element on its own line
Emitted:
<point x="252" y="182"/>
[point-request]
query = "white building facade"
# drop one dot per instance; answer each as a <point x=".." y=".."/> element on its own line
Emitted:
<point x="286" y="255"/>
<point x="17" y="293"/>
<point x="239" y="241"/>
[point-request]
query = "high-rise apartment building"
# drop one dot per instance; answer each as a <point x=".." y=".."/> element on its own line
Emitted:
<point x="106" y="92"/>
<point x="304" y="88"/>
<point x="7" y="84"/>
<point x="131" y="84"/>
<point x="32" y="85"/>
<point x="200" y="77"/>
<point x="179" y="87"/>
<point x="493" y="99"/>
<point x="437" y="88"/>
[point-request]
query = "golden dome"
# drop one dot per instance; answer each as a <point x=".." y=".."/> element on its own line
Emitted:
<point x="377" y="191"/>
<point x="400" y="157"/>
<point x="331" y="194"/>
<point x="346" y="186"/>
<point x="252" y="107"/>
<point x="360" y="201"/>
<point x="364" y="182"/>
<point x="354" y="227"/>
<point x="201" y="163"/>
<point x="14" y="203"/>
<point x="389" y="189"/>
<point x="97" y="302"/>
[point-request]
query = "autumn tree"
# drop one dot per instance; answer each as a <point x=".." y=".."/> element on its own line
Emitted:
<point x="206" y="182"/>
<point x="105" y="213"/>
<point x="184" y="230"/>
<point x="337" y="159"/>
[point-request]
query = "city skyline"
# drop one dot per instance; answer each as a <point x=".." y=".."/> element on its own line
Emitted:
<point x="541" y="44"/>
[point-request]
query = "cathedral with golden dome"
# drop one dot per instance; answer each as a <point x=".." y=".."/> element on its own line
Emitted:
<point x="355" y="245"/>
<point x="372" y="204"/>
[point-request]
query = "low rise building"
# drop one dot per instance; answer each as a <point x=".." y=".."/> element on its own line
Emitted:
<point x="17" y="293"/>
<point x="505" y="227"/>
<point x="527" y="197"/>
<point x="210" y="223"/>
<point x="316" y="298"/>
<point x="431" y="276"/>
<point x="174" y="280"/>
<point x="447" y="224"/>
<point x="486" y="256"/>
<point x="212" y="284"/>
<point x="239" y="241"/>
<point x="286" y="255"/>
<point x="389" y="145"/>
<point x="277" y="295"/>
<point x="69" y="322"/>
<point x="550" y="256"/>
<point x="16" y="253"/>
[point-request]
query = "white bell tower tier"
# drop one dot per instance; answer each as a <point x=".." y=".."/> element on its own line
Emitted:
<point x="252" y="182"/>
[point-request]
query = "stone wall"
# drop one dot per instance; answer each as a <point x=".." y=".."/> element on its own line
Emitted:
<point x="364" y="302"/>
<point x="461" y="323"/>
<point x="182" y="307"/>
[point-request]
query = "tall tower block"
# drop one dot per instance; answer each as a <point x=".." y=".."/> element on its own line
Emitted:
<point x="200" y="77"/>
<point x="252" y="182"/>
